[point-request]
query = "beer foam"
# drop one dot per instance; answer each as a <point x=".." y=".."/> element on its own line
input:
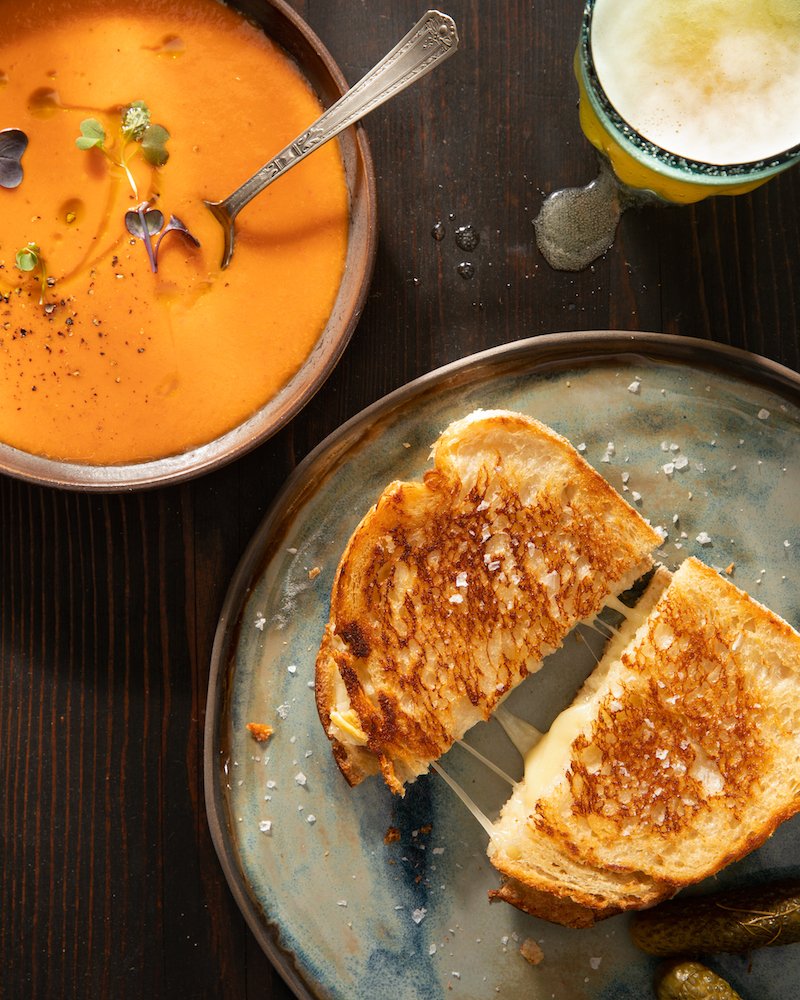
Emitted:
<point x="710" y="80"/>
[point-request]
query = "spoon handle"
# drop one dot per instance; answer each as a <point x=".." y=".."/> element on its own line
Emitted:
<point x="432" y="39"/>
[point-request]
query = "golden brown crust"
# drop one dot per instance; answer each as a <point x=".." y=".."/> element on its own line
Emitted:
<point x="689" y="760"/>
<point x="550" y="906"/>
<point x="451" y="590"/>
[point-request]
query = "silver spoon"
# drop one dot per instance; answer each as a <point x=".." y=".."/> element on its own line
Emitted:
<point x="432" y="39"/>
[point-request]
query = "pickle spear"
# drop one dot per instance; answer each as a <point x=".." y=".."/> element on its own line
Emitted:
<point x="693" y="981"/>
<point x="738" y="920"/>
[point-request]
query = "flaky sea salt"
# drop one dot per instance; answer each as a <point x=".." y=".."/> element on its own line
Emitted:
<point x="300" y="779"/>
<point x="763" y="414"/>
<point x="260" y="622"/>
<point x="635" y="386"/>
<point x="419" y="915"/>
<point x="265" y="826"/>
<point x="704" y="538"/>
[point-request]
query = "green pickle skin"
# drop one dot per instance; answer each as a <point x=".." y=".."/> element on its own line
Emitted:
<point x="693" y="981"/>
<point x="739" y="920"/>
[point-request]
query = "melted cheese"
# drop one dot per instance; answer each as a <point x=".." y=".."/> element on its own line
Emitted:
<point x="347" y="729"/>
<point x="478" y="813"/>
<point x="547" y="761"/>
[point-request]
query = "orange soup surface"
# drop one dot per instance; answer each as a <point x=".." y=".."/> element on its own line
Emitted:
<point x="107" y="361"/>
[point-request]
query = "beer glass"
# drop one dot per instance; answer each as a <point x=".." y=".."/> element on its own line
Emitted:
<point x="691" y="98"/>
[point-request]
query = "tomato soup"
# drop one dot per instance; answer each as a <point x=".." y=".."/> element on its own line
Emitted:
<point x="104" y="360"/>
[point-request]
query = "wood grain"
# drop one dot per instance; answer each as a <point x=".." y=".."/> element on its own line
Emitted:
<point x="109" y="884"/>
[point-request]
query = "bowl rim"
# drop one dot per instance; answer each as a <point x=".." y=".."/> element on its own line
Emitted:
<point x="277" y="411"/>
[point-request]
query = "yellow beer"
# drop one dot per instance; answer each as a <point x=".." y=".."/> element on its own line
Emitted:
<point x="691" y="98"/>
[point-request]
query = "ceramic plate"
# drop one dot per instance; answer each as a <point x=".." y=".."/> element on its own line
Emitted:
<point x="705" y="441"/>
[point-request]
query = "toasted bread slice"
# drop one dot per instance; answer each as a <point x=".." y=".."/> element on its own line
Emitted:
<point x="680" y="755"/>
<point x="453" y="589"/>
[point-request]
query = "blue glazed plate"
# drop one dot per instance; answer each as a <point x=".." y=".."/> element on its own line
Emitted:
<point x="705" y="441"/>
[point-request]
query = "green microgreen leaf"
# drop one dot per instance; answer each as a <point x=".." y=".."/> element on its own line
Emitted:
<point x="154" y="140"/>
<point x="135" y="121"/>
<point x="92" y="135"/>
<point x="27" y="258"/>
<point x="13" y="143"/>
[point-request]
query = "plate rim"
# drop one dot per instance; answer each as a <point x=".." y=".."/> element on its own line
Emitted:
<point x="539" y="353"/>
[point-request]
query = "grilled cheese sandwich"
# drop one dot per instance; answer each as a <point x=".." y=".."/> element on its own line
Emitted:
<point x="453" y="589"/>
<point x="680" y="755"/>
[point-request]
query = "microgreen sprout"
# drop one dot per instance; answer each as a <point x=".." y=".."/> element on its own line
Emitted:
<point x="29" y="258"/>
<point x="13" y="143"/>
<point x="135" y="121"/>
<point x="145" y="222"/>
<point x="136" y="129"/>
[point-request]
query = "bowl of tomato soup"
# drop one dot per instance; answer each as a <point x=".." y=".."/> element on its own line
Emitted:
<point x="128" y="356"/>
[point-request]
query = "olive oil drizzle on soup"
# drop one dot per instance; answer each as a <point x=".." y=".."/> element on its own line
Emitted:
<point x="119" y="364"/>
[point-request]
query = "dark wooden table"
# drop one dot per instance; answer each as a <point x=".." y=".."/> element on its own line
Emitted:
<point x="110" y="886"/>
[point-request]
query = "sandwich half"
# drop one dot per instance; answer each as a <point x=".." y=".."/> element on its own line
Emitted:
<point x="453" y="589"/>
<point x="680" y="755"/>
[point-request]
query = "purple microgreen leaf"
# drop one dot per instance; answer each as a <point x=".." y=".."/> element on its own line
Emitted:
<point x="176" y="226"/>
<point x="143" y="223"/>
<point x="13" y="143"/>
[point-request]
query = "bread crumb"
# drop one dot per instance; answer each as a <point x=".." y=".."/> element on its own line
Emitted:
<point x="260" y="731"/>
<point x="729" y="569"/>
<point x="531" y="951"/>
<point x="314" y="572"/>
<point x="391" y="836"/>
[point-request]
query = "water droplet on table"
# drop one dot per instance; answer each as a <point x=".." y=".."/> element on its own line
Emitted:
<point x="467" y="238"/>
<point x="466" y="269"/>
